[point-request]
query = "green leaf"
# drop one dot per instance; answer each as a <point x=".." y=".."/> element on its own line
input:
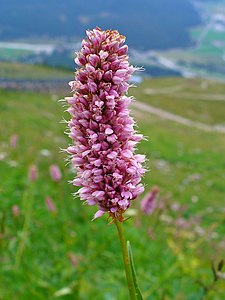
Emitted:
<point x="137" y="289"/>
<point x="220" y="265"/>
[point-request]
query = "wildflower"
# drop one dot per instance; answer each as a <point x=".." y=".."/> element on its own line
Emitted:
<point x="50" y="204"/>
<point x="74" y="259"/>
<point x="182" y="223"/>
<point x="148" y="203"/>
<point x="13" y="140"/>
<point x="151" y="233"/>
<point x="102" y="131"/>
<point x="15" y="211"/>
<point x="55" y="173"/>
<point x="33" y="173"/>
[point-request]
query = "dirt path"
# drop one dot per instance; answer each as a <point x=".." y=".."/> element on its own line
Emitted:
<point x="176" y="118"/>
<point x="214" y="97"/>
<point x="165" y="90"/>
<point x="184" y="95"/>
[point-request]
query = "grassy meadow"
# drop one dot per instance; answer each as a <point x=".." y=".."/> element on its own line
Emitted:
<point x="15" y="54"/>
<point x="16" y="70"/>
<point x="60" y="254"/>
<point x="196" y="99"/>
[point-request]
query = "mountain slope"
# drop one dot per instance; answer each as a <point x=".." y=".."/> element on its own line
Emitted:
<point x="148" y="24"/>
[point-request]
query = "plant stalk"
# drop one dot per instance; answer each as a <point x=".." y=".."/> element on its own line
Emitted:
<point x="126" y="260"/>
<point x="27" y="205"/>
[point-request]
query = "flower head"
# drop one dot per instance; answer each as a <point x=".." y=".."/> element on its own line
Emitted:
<point x="15" y="211"/>
<point x="33" y="173"/>
<point x="50" y="204"/>
<point x="102" y="131"/>
<point x="55" y="173"/>
<point x="149" y="201"/>
<point x="13" y="140"/>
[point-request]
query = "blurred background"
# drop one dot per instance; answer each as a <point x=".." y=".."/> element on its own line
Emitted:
<point x="48" y="246"/>
<point x="178" y="37"/>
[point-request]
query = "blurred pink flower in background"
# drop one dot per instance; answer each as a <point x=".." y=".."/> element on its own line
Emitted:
<point x="50" y="204"/>
<point x="151" y="233"/>
<point x="137" y="222"/>
<point x="74" y="259"/>
<point x="15" y="211"/>
<point x="13" y="140"/>
<point x="148" y="204"/>
<point x="178" y="207"/>
<point x="55" y="173"/>
<point x="33" y="173"/>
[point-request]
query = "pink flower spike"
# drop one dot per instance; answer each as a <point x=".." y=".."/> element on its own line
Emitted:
<point x="149" y="202"/>
<point x="15" y="211"/>
<point x="55" y="173"/>
<point x="50" y="205"/>
<point x="103" y="134"/>
<point x="33" y="173"/>
<point x="13" y="140"/>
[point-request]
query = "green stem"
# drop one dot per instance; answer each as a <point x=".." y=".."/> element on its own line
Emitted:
<point x="27" y="205"/>
<point x="126" y="260"/>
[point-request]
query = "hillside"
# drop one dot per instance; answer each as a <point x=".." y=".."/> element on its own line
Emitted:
<point x="207" y="55"/>
<point x="173" y="247"/>
<point x="151" y="24"/>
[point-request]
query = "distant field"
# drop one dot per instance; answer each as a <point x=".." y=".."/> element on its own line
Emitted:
<point x="68" y="257"/>
<point x="212" y="42"/>
<point x="28" y="71"/>
<point x="196" y="99"/>
<point x="205" y="58"/>
<point x="13" y="54"/>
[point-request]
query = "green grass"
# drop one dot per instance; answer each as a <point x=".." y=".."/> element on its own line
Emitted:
<point x="215" y="35"/>
<point x="209" y="50"/>
<point x="13" y="54"/>
<point x="195" y="99"/>
<point x="188" y="166"/>
<point x="207" y="46"/>
<point x="27" y="71"/>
